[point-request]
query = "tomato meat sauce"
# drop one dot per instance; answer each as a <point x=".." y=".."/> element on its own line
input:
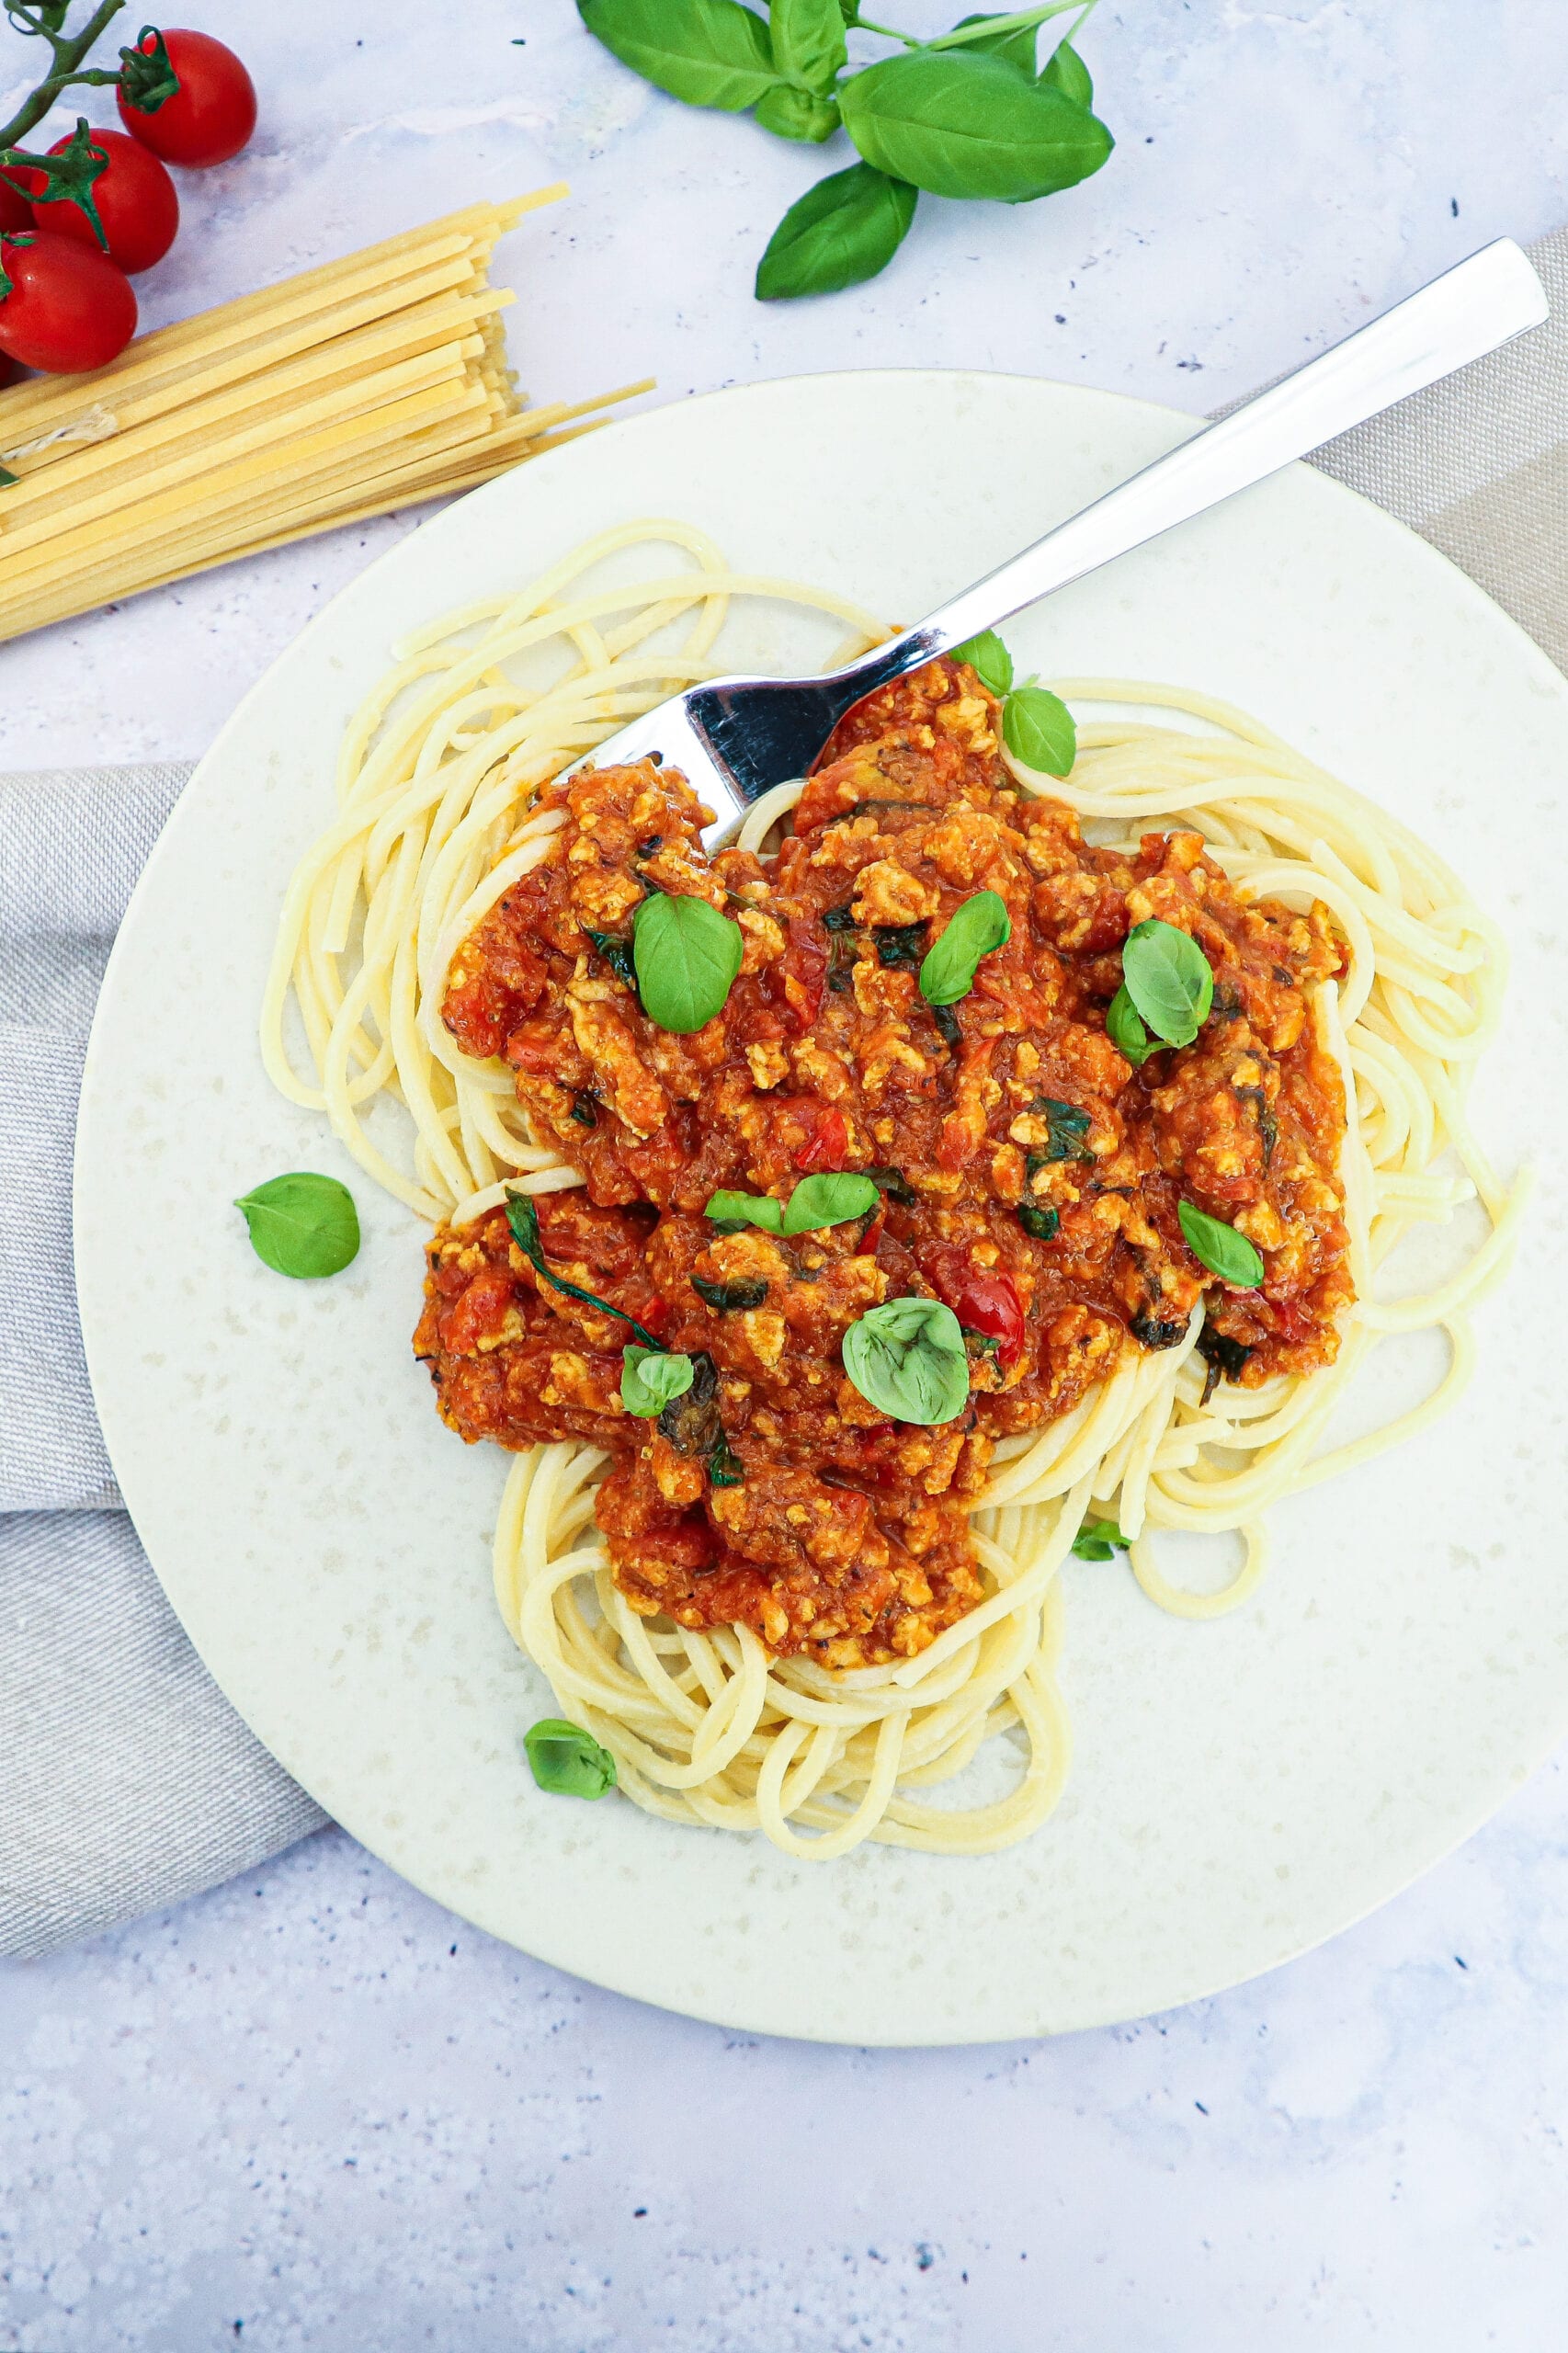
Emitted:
<point x="1028" y="1176"/>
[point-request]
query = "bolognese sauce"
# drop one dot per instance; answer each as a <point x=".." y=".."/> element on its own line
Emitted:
<point x="1028" y="1176"/>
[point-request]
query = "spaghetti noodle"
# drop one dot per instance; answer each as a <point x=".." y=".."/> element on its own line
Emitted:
<point x="437" y="784"/>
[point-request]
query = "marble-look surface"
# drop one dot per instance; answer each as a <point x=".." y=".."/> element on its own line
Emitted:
<point x="310" y="2110"/>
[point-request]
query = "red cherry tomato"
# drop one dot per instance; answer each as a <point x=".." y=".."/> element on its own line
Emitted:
<point x="212" y="114"/>
<point x="9" y="370"/>
<point x="135" y="197"/>
<point x="986" y="1302"/>
<point x="69" y="308"/>
<point x="16" y="213"/>
<point x="827" y="1143"/>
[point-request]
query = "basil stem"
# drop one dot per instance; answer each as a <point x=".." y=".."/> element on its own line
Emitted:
<point x="523" y="1219"/>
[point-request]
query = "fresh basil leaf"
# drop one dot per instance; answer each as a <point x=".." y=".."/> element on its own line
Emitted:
<point x="710" y="52"/>
<point x="828" y="1199"/>
<point x="1065" y="71"/>
<point x="907" y="1357"/>
<point x="649" y="1379"/>
<point x="1038" y="729"/>
<point x="1041" y="1223"/>
<point x="968" y="125"/>
<point x="522" y="1216"/>
<point x="731" y="1299"/>
<point x="990" y="661"/>
<point x="808" y="42"/>
<point x="687" y="956"/>
<point x="302" y="1225"/>
<point x="1221" y="1248"/>
<point x="790" y="113"/>
<point x="1169" y="980"/>
<point x="737" y="1211"/>
<point x="839" y="234"/>
<point x="1017" y="46"/>
<point x="1098" y="1540"/>
<point x="1124" y="1027"/>
<point x="566" y="1760"/>
<point x="975" y="929"/>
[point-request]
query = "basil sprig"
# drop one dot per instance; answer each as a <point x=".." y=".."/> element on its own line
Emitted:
<point x="687" y="956"/>
<point x="965" y="114"/>
<point x="908" y="1358"/>
<point x="1098" y="1540"/>
<point x="1168" y="980"/>
<point x="1037" y="726"/>
<point x="523" y="1219"/>
<point x="1222" y="1249"/>
<point x="833" y="1198"/>
<point x="302" y="1224"/>
<point x="649" y="1379"/>
<point x="566" y="1760"/>
<point x="974" y="929"/>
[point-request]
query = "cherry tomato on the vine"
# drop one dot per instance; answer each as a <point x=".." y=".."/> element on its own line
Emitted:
<point x="69" y="308"/>
<point x="8" y="370"/>
<point x="212" y="114"/>
<point x="135" y="197"/>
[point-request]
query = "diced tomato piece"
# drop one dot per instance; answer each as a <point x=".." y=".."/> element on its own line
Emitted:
<point x="827" y="1140"/>
<point x="984" y="1302"/>
<point x="480" y="1314"/>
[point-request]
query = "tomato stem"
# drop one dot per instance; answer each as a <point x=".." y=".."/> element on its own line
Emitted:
<point x="67" y="177"/>
<point x="45" y="19"/>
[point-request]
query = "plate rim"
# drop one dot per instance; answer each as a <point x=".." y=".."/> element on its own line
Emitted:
<point x="1455" y="1831"/>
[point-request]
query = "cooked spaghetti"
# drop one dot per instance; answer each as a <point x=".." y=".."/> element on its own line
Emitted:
<point x="776" y="1603"/>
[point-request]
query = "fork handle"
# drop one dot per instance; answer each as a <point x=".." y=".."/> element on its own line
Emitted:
<point x="1458" y="317"/>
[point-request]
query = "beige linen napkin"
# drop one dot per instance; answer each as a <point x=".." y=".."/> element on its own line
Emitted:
<point x="126" y="1780"/>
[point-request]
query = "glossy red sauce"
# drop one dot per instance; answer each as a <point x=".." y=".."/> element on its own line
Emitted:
<point x="843" y="1532"/>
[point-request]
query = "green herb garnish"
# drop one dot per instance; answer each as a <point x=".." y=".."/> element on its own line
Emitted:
<point x="1124" y="1027"/>
<point x="1038" y="729"/>
<point x="986" y="654"/>
<point x="975" y="930"/>
<point x="964" y="114"/>
<point x="731" y="1299"/>
<point x="908" y="1358"/>
<point x="566" y="1760"/>
<point x="724" y="1466"/>
<point x="687" y="956"/>
<point x="895" y="1185"/>
<point x="833" y="1198"/>
<point x="899" y="946"/>
<point x="1065" y="1129"/>
<point x="1099" y="1540"/>
<point x="1041" y="1223"/>
<point x="1221" y="1248"/>
<point x="1169" y="981"/>
<point x="523" y="1219"/>
<point x="302" y="1224"/>
<point x="617" y="954"/>
<point x="649" y="1379"/>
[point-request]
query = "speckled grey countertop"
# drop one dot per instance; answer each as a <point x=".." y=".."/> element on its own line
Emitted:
<point x="312" y="2112"/>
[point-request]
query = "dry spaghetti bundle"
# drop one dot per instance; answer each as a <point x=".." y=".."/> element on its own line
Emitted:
<point x="373" y="383"/>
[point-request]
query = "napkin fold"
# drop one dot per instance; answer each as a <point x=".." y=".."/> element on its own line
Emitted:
<point x="126" y="1780"/>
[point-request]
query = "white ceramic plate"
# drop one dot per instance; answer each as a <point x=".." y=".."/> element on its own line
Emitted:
<point x="1241" y="1790"/>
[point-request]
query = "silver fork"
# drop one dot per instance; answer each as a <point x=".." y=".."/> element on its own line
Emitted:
<point x="735" y="738"/>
